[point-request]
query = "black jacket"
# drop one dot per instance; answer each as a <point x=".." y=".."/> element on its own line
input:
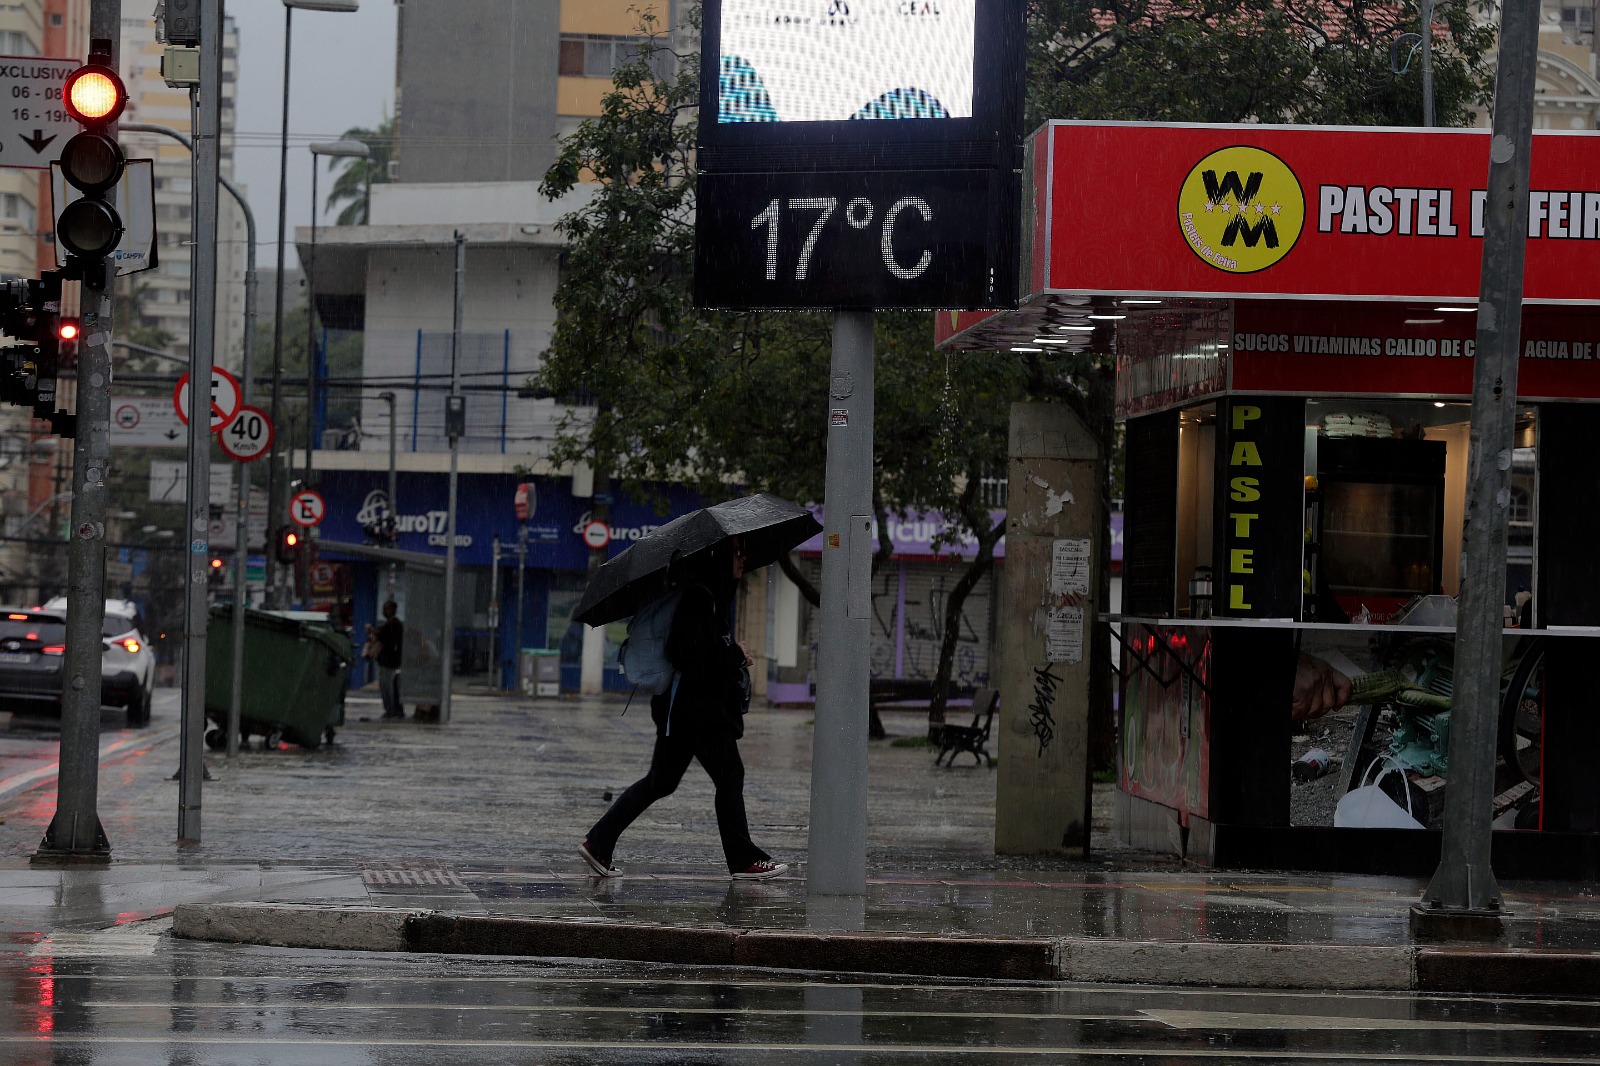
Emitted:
<point x="710" y="666"/>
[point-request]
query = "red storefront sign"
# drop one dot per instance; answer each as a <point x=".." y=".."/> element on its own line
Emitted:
<point x="1306" y="348"/>
<point x="1332" y="213"/>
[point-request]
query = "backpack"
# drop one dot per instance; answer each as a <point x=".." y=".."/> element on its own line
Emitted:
<point x="644" y="654"/>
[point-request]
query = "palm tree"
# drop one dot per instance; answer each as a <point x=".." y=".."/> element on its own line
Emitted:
<point x="357" y="176"/>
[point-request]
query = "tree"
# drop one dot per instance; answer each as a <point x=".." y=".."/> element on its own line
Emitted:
<point x="356" y="176"/>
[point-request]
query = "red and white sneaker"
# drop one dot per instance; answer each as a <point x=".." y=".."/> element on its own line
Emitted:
<point x="762" y="871"/>
<point x="601" y="869"/>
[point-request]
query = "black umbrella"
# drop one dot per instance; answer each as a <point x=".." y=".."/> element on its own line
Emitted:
<point x="767" y="526"/>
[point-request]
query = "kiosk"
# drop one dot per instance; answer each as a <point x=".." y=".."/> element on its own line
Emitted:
<point x="1292" y="311"/>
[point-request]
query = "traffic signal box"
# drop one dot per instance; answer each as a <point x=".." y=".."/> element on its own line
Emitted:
<point x="44" y="316"/>
<point x="90" y="228"/>
<point x="286" y="544"/>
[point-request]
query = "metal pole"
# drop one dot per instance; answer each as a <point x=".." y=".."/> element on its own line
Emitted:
<point x="311" y="383"/>
<point x="1464" y="885"/>
<point x="311" y="331"/>
<point x="202" y="333"/>
<point x="394" y="500"/>
<point x="837" y="864"/>
<point x="241" y="556"/>
<point x="448" y="643"/>
<point x="494" y="613"/>
<point x="1427" y="62"/>
<point x="75" y="832"/>
<point x="276" y="478"/>
<point x="522" y="555"/>
<point x="242" y="505"/>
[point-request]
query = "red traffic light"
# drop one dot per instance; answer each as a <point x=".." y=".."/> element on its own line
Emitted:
<point x="94" y="95"/>
<point x="291" y="540"/>
<point x="216" y="562"/>
<point x="67" y="330"/>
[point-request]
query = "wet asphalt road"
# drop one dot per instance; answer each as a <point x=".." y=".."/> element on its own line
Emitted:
<point x="135" y="996"/>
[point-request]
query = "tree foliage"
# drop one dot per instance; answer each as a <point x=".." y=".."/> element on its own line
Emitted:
<point x="356" y="176"/>
<point x="1323" y="62"/>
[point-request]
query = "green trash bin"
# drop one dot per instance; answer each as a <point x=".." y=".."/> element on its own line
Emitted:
<point x="295" y="664"/>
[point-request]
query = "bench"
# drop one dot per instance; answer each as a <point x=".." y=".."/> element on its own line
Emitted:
<point x="882" y="691"/>
<point x="955" y="739"/>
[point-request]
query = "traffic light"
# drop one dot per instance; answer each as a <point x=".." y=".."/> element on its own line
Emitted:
<point x="218" y="570"/>
<point x="92" y="162"/>
<point x="287" y="545"/>
<point x="42" y="315"/>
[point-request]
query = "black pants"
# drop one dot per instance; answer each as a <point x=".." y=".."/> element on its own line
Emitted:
<point x="720" y="757"/>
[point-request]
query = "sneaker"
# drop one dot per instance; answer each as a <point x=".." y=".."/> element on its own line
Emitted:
<point x="601" y="869"/>
<point x="764" y="870"/>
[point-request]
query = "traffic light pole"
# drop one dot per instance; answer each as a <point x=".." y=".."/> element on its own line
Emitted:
<point x="202" y="338"/>
<point x="75" y="833"/>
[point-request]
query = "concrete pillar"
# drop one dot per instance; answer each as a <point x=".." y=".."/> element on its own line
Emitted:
<point x="1049" y="603"/>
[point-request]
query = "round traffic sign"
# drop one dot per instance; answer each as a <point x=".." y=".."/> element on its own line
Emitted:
<point x="596" y="534"/>
<point x="248" y="436"/>
<point x="126" y="416"/>
<point x="226" y="398"/>
<point x="307" y="508"/>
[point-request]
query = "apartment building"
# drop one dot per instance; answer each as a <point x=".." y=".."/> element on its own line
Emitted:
<point x="158" y="300"/>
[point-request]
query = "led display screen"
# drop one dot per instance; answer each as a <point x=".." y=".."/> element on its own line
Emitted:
<point x="838" y="60"/>
<point x="862" y="239"/>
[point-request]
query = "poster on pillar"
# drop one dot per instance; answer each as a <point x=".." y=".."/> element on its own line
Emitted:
<point x="1260" y="508"/>
<point x="1372" y="713"/>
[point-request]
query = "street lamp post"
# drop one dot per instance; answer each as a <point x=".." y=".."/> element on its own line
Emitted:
<point x="340" y="149"/>
<point x="276" y="479"/>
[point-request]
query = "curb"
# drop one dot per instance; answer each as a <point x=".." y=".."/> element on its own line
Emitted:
<point x="1200" y="963"/>
<point x="19" y="783"/>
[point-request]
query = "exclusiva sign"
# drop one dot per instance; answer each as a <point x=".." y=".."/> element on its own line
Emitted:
<point x="1299" y="212"/>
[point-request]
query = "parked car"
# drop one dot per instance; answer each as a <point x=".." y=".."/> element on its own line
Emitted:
<point x="32" y="646"/>
<point x="127" y="665"/>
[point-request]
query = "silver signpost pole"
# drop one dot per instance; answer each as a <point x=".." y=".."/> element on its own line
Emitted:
<point x="837" y="856"/>
<point x="202" y="333"/>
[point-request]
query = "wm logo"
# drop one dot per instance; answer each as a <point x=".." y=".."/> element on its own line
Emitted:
<point x="1241" y="209"/>
<point x="1242" y="193"/>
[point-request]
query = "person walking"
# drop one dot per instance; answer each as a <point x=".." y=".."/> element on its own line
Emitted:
<point x="391" y="638"/>
<point x="700" y="717"/>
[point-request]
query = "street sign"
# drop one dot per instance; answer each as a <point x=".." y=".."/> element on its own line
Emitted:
<point x="307" y="508"/>
<point x="596" y="534"/>
<point x="135" y="203"/>
<point x="248" y="436"/>
<point x="34" y="124"/>
<point x="226" y="398"/>
<point x="169" y="482"/>
<point x="525" y="503"/>
<point x="143" y="422"/>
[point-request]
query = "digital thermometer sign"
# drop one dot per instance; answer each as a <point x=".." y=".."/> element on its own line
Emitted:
<point x="859" y="154"/>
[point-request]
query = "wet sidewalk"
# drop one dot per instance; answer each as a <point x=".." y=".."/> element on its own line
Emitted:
<point x="407" y="837"/>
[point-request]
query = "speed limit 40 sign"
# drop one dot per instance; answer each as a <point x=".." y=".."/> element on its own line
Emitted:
<point x="248" y="436"/>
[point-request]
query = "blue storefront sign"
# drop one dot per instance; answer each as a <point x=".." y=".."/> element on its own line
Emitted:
<point x="484" y="508"/>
